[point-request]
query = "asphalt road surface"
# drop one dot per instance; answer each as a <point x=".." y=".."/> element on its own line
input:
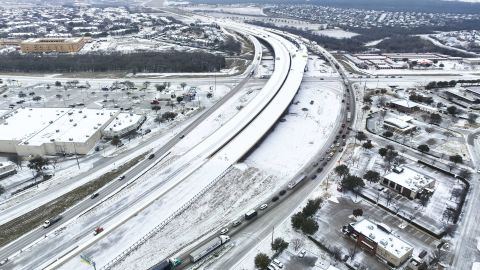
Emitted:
<point x="36" y="234"/>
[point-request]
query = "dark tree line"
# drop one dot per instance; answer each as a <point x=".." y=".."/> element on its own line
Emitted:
<point x="396" y="39"/>
<point x="172" y="61"/>
<point x="231" y="46"/>
<point x="428" y="6"/>
<point x="344" y="44"/>
<point x="414" y="44"/>
<point x="452" y="83"/>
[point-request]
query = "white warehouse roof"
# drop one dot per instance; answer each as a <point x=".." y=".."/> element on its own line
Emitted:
<point x="35" y="126"/>
<point x="410" y="179"/>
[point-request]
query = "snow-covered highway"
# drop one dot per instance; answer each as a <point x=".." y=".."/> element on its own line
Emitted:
<point x="186" y="176"/>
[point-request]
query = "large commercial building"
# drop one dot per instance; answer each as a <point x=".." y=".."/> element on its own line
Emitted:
<point x="62" y="45"/>
<point x="408" y="182"/>
<point x="378" y="239"/>
<point x="52" y="131"/>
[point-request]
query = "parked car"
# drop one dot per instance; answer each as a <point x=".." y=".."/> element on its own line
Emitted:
<point x="302" y="253"/>
<point x="278" y="263"/>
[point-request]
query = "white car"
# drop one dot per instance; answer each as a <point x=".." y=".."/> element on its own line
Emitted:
<point x="4" y="261"/>
<point x="302" y="253"/>
<point x="278" y="263"/>
<point x="224" y="231"/>
<point x="263" y="206"/>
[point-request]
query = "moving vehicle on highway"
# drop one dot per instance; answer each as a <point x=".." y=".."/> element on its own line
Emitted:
<point x="51" y="221"/>
<point x="236" y="223"/>
<point x="263" y="206"/>
<point x="97" y="230"/>
<point x="250" y="214"/>
<point x="208" y="247"/>
<point x="94" y="195"/>
<point x="224" y="231"/>
<point x="167" y="264"/>
<point x="296" y="181"/>
<point x="151" y="156"/>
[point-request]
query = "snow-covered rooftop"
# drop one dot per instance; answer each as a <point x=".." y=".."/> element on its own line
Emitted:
<point x="381" y="234"/>
<point x="404" y="103"/>
<point x="35" y="126"/>
<point x="123" y="120"/>
<point x="410" y="179"/>
<point x="398" y="123"/>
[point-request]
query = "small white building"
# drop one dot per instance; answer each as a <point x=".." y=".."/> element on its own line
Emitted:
<point x="123" y="124"/>
<point x="408" y="182"/>
<point x="395" y="124"/>
<point x="7" y="168"/>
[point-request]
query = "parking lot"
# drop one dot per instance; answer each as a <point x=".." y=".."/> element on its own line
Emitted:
<point x="338" y="212"/>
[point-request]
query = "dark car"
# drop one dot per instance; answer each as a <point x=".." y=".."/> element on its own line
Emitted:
<point x="94" y="195"/>
<point x="151" y="156"/>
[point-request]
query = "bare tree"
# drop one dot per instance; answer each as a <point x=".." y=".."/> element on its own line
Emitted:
<point x="297" y="244"/>
<point x="450" y="229"/>
<point x="437" y="256"/>
<point x="337" y="253"/>
<point x="388" y="197"/>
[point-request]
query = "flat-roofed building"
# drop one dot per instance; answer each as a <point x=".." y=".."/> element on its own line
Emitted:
<point x="378" y="239"/>
<point x="398" y="125"/>
<point x="123" y="124"/>
<point x="408" y="182"/>
<point x="7" y="168"/>
<point x="52" y="131"/>
<point x="62" y="45"/>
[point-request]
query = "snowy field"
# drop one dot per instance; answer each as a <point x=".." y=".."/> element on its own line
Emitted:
<point x="318" y="67"/>
<point x="336" y="33"/>
<point x="234" y="9"/>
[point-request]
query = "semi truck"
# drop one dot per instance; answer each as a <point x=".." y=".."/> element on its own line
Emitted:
<point x="167" y="264"/>
<point x="205" y="249"/>
<point x="51" y="221"/>
<point x="250" y="214"/>
<point x="297" y="180"/>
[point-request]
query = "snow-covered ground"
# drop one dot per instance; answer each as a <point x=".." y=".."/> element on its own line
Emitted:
<point x="318" y="67"/>
<point x="303" y="132"/>
<point x="249" y="183"/>
<point x="336" y="33"/>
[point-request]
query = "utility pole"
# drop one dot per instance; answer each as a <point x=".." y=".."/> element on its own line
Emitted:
<point x="273" y="229"/>
<point x="76" y="155"/>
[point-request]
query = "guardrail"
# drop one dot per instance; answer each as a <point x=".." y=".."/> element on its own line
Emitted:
<point x="155" y="230"/>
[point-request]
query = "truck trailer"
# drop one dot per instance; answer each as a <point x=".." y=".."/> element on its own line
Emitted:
<point x="250" y="214"/>
<point x="204" y="250"/>
<point x="297" y="180"/>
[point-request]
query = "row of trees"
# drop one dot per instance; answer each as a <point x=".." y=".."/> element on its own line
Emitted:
<point x="395" y="39"/>
<point x="303" y="220"/>
<point x="170" y="61"/>
<point x="452" y="83"/>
